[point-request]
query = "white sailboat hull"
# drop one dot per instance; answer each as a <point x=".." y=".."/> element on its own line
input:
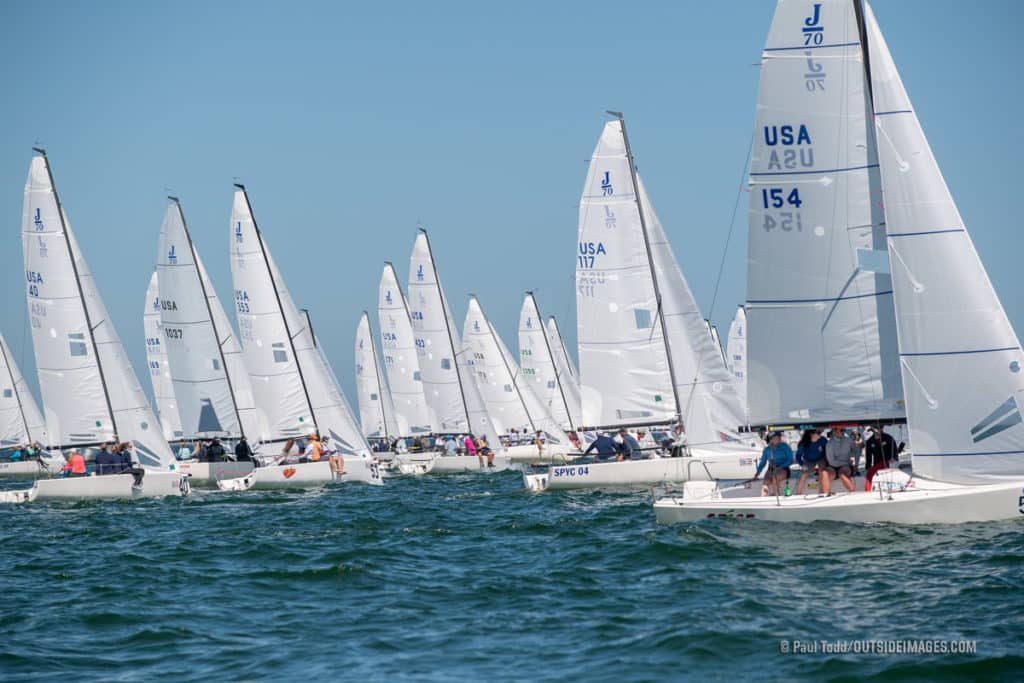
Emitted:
<point x="528" y="455"/>
<point x="304" y="475"/>
<point x="209" y="473"/>
<point x="699" y="466"/>
<point x="448" y="464"/>
<point x="26" y="468"/>
<point x="923" y="502"/>
<point x="117" y="486"/>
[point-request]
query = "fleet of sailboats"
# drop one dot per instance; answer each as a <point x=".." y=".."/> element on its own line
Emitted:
<point x="866" y="304"/>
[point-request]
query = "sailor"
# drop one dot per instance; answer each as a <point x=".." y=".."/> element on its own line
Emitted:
<point x="75" y="465"/>
<point x="539" y="441"/>
<point x="880" y="452"/>
<point x="484" y="451"/>
<point x="678" y="441"/>
<point x="401" y="446"/>
<point x="450" y="447"/>
<point x="630" y="446"/>
<point x="336" y="461"/>
<point x="778" y="456"/>
<point x="606" y="448"/>
<point x="839" y="454"/>
<point x="215" y="451"/>
<point x="470" y="445"/>
<point x="107" y="462"/>
<point x="242" y="451"/>
<point x="809" y="455"/>
<point x="313" y="449"/>
<point x="16" y="453"/>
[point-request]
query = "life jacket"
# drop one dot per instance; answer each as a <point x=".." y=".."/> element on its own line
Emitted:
<point x="318" y="450"/>
<point x="77" y="464"/>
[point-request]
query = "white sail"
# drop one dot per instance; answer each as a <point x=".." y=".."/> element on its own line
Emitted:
<point x="401" y="364"/>
<point x="537" y="361"/>
<point x="195" y="346"/>
<point x="736" y="355"/>
<point x="266" y="344"/>
<point x="961" y="359"/>
<point x="822" y="336"/>
<point x="20" y="420"/>
<point x="709" y="403"/>
<point x="159" y="366"/>
<point x="293" y="382"/>
<point x="334" y="414"/>
<point x="376" y="410"/>
<point x="90" y="392"/>
<point x="624" y="366"/>
<point x="568" y="375"/>
<point x="492" y="373"/>
<point x="448" y="380"/>
<point x="718" y="342"/>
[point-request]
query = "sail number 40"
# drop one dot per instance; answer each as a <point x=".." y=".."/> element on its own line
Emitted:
<point x="776" y="198"/>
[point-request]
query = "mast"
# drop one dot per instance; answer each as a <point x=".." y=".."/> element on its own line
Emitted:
<point x="398" y="286"/>
<point x="81" y="294"/>
<point x="551" y="355"/>
<point x="650" y="261"/>
<point x="14" y="385"/>
<point x="209" y="311"/>
<point x="376" y="370"/>
<point x="280" y="307"/>
<point x="451" y="340"/>
<point x="858" y="10"/>
<point x="561" y="341"/>
<point x="504" y="361"/>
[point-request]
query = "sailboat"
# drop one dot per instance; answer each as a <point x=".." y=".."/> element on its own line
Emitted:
<point x="451" y="392"/>
<point x="510" y="400"/>
<point x="211" y="384"/>
<point x="291" y="379"/>
<point x="401" y="363"/>
<point x="90" y="393"/>
<point x="736" y="356"/>
<point x="159" y="367"/>
<point x="21" y="423"/>
<point x="646" y="358"/>
<point x="968" y="460"/>
<point x="539" y="349"/>
<point x="376" y="408"/>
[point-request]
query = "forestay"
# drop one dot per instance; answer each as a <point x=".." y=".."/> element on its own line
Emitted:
<point x="20" y="420"/>
<point x="822" y="332"/>
<point x="211" y="383"/>
<point x="537" y="361"/>
<point x="401" y="364"/>
<point x="376" y="410"/>
<point x="961" y="359"/>
<point x="159" y="366"/>
<point x="90" y="392"/>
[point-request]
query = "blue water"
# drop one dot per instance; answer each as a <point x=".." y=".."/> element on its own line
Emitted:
<point x="469" y="578"/>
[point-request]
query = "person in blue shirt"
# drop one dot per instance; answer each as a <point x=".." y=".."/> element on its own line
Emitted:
<point x="606" y="448"/>
<point x="810" y="454"/>
<point x="107" y="462"/>
<point x="779" y="457"/>
<point x="630" y="446"/>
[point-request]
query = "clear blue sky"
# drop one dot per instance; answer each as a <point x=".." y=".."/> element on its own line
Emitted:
<point x="351" y="122"/>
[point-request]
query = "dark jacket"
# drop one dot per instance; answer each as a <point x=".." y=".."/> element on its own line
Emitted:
<point x="605" y="447"/>
<point x="878" y="451"/>
<point x="242" y="452"/>
<point x="107" y="462"/>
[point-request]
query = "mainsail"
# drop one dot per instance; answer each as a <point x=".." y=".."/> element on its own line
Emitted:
<point x="822" y="329"/>
<point x="537" y="359"/>
<point x="646" y="356"/>
<point x="401" y="364"/>
<point x="159" y="366"/>
<point x="211" y="383"/>
<point x="961" y="359"/>
<point x="376" y="410"/>
<point x="90" y="392"/>
<point x="20" y="420"/>
<point x="292" y="380"/>
<point x="447" y="375"/>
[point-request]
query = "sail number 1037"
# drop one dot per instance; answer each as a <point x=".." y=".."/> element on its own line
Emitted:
<point x="777" y="198"/>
